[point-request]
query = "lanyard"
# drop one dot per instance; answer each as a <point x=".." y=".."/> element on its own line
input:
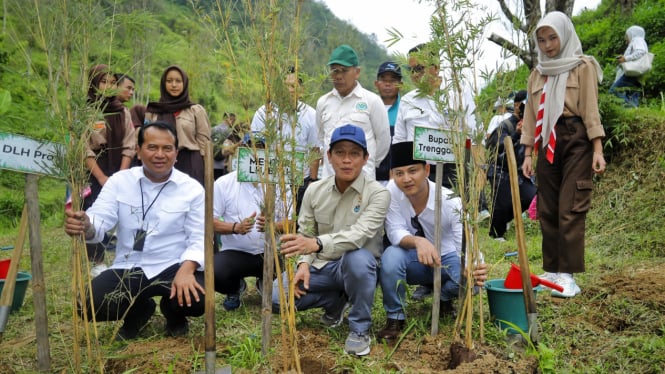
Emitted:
<point x="143" y="210"/>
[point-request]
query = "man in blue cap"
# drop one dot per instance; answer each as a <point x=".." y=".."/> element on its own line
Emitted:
<point x="349" y="102"/>
<point x="339" y="241"/>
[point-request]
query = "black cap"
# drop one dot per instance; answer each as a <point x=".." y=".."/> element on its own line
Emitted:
<point x="401" y="154"/>
<point x="520" y="95"/>
<point x="390" y="67"/>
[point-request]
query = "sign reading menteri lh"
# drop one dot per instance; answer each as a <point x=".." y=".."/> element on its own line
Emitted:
<point x="433" y="145"/>
<point x="27" y="155"/>
<point x="252" y="164"/>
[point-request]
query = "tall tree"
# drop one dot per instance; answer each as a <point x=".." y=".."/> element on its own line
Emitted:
<point x="523" y="21"/>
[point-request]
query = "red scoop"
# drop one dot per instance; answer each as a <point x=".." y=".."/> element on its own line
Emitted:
<point x="514" y="280"/>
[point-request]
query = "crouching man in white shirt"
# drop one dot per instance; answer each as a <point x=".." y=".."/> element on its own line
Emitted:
<point x="159" y="215"/>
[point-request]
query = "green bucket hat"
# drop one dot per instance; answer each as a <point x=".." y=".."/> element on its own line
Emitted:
<point x="344" y="55"/>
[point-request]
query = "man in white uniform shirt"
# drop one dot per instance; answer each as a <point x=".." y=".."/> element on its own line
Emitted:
<point x="159" y="215"/>
<point x="350" y="103"/>
<point x="305" y="137"/>
<point x="418" y="107"/>
<point x="240" y="223"/>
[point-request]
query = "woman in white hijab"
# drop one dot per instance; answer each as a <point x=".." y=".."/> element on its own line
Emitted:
<point x="625" y="87"/>
<point x="562" y="128"/>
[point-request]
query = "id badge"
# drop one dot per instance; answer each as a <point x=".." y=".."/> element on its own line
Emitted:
<point x="139" y="240"/>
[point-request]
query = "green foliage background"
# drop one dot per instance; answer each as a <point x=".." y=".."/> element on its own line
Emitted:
<point x="141" y="38"/>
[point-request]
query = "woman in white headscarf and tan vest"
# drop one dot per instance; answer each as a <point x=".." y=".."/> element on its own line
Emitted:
<point x="562" y="129"/>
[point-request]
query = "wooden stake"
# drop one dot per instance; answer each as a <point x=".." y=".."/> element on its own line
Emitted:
<point x="209" y="271"/>
<point x="37" y="266"/>
<point x="436" y="293"/>
<point x="268" y="268"/>
<point x="529" y="297"/>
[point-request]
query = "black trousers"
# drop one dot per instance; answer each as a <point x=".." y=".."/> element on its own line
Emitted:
<point x="119" y="291"/>
<point x="502" y="199"/>
<point x="232" y="266"/>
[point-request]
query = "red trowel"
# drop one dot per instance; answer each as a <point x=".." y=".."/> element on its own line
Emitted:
<point x="514" y="280"/>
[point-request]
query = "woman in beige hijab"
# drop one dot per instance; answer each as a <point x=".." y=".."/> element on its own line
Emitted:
<point x="562" y="129"/>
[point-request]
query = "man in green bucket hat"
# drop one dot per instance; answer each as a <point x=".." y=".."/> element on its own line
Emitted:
<point x="349" y="103"/>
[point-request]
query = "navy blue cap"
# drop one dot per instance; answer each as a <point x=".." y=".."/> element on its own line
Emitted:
<point x="390" y="67"/>
<point x="351" y="133"/>
<point x="255" y="137"/>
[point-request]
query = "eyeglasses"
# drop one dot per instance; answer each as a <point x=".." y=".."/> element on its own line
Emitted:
<point x="416" y="69"/>
<point x="416" y="225"/>
<point x="338" y="71"/>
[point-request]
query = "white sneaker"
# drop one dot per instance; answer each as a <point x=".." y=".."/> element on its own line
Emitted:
<point x="98" y="269"/>
<point x="483" y="215"/>
<point x="570" y="288"/>
<point x="552" y="277"/>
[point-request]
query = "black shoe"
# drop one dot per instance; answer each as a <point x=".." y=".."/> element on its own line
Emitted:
<point x="446" y="308"/>
<point x="177" y="329"/>
<point x="335" y="317"/>
<point x="176" y="325"/>
<point x="130" y="329"/>
<point x="392" y="330"/>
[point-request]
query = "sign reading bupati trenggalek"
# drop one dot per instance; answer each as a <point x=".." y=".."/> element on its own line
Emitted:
<point x="433" y="145"/>
<point x="253" y="163"/>
<point x="23" y="154"/>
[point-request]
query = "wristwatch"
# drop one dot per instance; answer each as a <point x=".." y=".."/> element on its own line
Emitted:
<point x="320" y="244"/>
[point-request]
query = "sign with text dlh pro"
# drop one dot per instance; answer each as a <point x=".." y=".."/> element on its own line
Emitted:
<point x="23" y="154"/>
<point x="252" y="164"/>
<point x="433" y="145"/>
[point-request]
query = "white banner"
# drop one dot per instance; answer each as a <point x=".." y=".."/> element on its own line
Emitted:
<point x="252" y="164"/>
<point x="27" y="155"/>
<point x="433" y="145"/>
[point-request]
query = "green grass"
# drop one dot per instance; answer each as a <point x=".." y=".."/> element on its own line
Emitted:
<point x="609" y="328"/>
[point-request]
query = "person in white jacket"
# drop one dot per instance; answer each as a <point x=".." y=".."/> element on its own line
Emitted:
<point x="625" y="87"/>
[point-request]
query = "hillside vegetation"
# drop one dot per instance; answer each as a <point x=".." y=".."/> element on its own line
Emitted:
<point x="141" y="38"/>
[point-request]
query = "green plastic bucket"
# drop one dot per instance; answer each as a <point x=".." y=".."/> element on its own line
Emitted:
<point x="20" y="289"/>
<point x="507" y="305"/>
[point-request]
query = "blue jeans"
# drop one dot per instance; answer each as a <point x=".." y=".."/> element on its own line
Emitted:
<point x="354" y="275"/>
<point x="628" y="89"/>
<point x="399" y="265"/>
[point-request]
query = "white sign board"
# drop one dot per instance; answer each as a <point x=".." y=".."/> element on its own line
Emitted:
<point x="433" y="145"/>
<point x="27" y="155"/>
<point x="252" y="164"/>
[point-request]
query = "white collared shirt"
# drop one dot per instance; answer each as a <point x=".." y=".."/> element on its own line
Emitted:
<point x="306" y="136"/>
<point x="361" y="108"/>
<point x="173" y="224"/>
<point x="398" y="221"/>
<point x="418" y="110"/>
<point x="235" y="201"/>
